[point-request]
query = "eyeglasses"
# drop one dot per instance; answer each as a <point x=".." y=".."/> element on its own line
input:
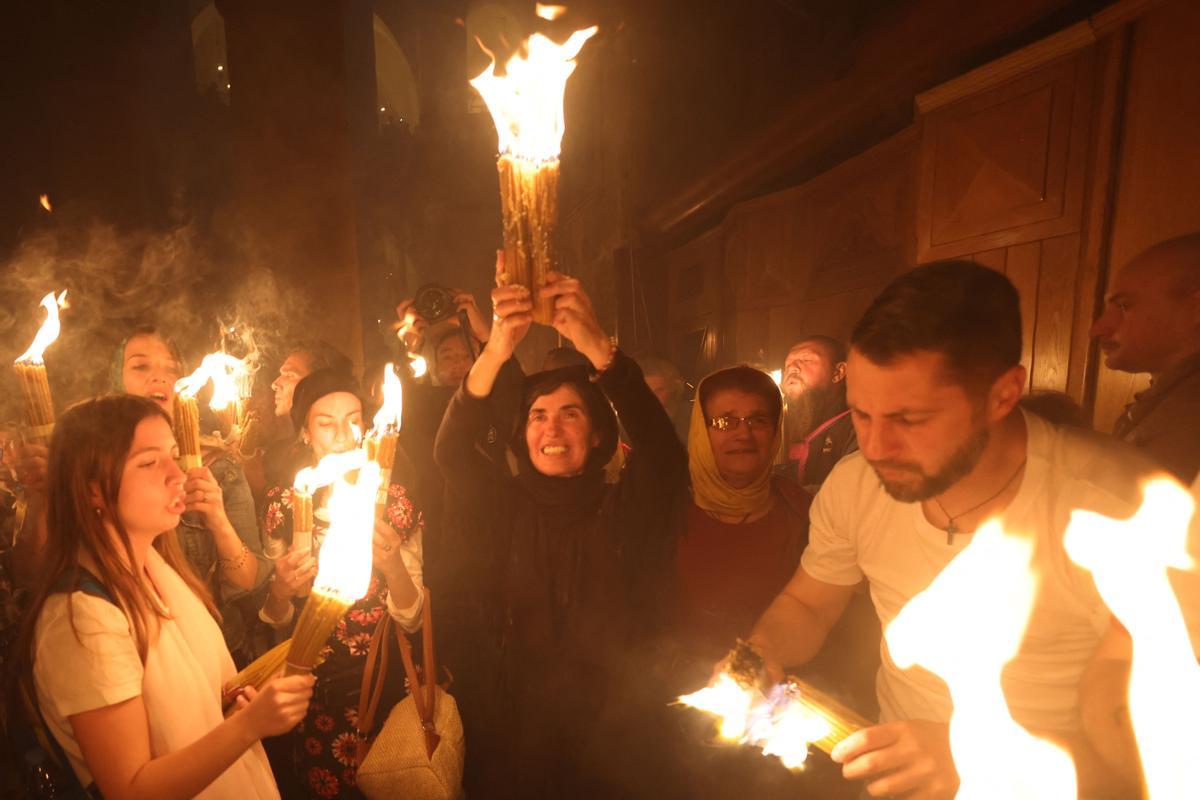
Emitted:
<point x="732" y="423"/>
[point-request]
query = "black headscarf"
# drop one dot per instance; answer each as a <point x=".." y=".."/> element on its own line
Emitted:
<point x="315" y="386"/>
<point x="582" y="491"/>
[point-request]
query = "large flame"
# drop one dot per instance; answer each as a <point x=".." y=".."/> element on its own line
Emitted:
<point x="776" y="722"/>
<point x="48" y="333"/>
<point x="526" y="103"/>
<point x="344" y="569"/>
<point x="388" y="417"/>
<point x="224" y="371"/>
<point x="964" y="627"/>
<point x="1129" y="561"/>
<point x="329" y="469"/>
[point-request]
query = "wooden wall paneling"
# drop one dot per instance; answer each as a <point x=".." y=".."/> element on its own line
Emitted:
<point x="1158" y="183"/>
<point x="695" y="303"/>
<point x="1006" y="166"/>
<point x="1055" y="313"/>
<point x="993" y="259"/>
<point x="1023" y="267"/>
<point x="1112" y="56"/>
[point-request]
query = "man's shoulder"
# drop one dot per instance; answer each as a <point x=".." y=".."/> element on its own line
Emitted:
<point x="1087" y="462"/>
<point x="852" y="485"/>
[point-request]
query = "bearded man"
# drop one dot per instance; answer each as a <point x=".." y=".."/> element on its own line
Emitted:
<point x="934" y="384"/>
<point x="817" y="423"/>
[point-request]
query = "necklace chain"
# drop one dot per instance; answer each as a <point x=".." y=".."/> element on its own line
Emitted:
<point x="951" y="528"/>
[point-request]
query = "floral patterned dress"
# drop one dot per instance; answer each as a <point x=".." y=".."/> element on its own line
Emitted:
<point x="323" y="744"/>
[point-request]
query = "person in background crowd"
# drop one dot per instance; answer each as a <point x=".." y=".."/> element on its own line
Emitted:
<point x="283" y="456"/>
<point x="934" y="383"/>
<point x="1151" y="323"/>
<point x="121" y="649"/>
<point x="743" y="530"/>
<point x="567" y="554"/>
<point x="327" y="412"/>
<point x="817" y="424"/>
<point x="220" y="538"/>
<point x="669" y="387"/>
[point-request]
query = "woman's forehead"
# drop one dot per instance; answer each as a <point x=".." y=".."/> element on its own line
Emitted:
<point x="336" y="403"/>
<point x="563" y="395"/>
<point x="147" y="344"/>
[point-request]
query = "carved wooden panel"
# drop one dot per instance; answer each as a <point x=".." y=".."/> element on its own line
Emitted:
<point x="1007" y="165"/>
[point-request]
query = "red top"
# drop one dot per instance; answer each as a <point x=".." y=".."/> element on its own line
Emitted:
<point x="728" y="574"/>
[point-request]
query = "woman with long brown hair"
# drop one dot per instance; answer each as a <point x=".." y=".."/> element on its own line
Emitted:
<point x="122" y="646"/>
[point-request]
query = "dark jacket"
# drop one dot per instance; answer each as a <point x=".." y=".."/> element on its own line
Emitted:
<point x="568" y="565"/>
<point x="1164" y="420"/>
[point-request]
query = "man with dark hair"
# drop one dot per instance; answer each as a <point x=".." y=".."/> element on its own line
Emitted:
<point x="1151" y="323"/>
<point x="934" y="382"/>
<point x="282" y="458"/>
<point x="817" y="425"/>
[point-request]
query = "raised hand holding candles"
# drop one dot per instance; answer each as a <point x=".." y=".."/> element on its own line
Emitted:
<point x="31" y="372"/>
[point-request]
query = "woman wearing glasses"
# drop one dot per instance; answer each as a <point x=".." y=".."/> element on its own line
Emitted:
<point x="562" y="553"/>
<point x="744" y="529"/>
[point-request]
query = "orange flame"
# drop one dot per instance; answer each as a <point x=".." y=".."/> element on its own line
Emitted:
<point x="964" y="627"/>
<point x="48" y="333"/>
<point x="344" y="570"/>
<point x="224" y="371"/>
<point x="1164" y="680"/>
<point x="776" y="722"/>
<point x="526" y="103"/>
<point x="44" y="201"/>
<point x="387" y="419"/>
<point x="331" y="468"/>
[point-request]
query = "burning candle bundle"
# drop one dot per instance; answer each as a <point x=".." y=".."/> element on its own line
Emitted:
<point x="31" y="372"/>
<point x="224" y="371"/>
<point x="526" y="104"/>
<point x="344" y="572"/>
<point x="381" y="441"/>
<point x="331" y="468"/>
<point x="782" y="720"/>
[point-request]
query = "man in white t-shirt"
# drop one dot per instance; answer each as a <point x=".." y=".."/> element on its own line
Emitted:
<point x="934" y="380"/>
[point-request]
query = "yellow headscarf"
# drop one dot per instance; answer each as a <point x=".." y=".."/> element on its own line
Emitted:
<point x="710" y="491"/>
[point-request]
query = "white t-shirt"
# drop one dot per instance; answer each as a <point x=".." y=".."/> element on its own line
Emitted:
<point x="180" y="683"/>
<point x="858" y="530"/>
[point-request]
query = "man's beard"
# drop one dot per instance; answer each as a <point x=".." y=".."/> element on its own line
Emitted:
<point x="815" y="405"/>
<point x="962" y="461"/>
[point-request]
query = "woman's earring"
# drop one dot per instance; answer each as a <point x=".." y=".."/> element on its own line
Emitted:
<point x="99" y="511"/>
<point x="304" y="439"/>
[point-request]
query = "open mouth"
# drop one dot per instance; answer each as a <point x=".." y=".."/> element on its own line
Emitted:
<point x="554" y="450"/>
<point x="158" y="397"/>
<point x="177" y="506"/>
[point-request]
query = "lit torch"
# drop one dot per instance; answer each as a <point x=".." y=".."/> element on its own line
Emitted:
<point x="782" y="720"/>
<point x="526" y="104"/>
<point x="31" y="373"/>
<point x="1129" y="561"/>
<point x="385" y="434"/>
<point x="344" y="571"/>
<point x="329" y="469"/>
<point x="221" y="369"/>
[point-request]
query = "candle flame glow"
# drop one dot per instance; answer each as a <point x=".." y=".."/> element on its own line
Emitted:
<point x="388" y="418"/>
<point x="1164" y="680"/>
<point x="44" y="202"/>
<point x="419" y="366"/>
<point x="331" y="468"/>
<point x="224" y="371"/>
<point x="549" y="12"/>
<point x="344" y="569"/>
<point x="526" y="103"/>
<point x="964" y="627"/>
<point x="48" y="333"/>
<point x="777" y="722"/>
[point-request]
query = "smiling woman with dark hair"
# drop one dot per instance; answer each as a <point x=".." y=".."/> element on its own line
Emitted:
<point x="561" y="552"/>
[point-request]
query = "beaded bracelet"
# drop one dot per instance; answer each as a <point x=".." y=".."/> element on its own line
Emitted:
<point x="236" y="562"/>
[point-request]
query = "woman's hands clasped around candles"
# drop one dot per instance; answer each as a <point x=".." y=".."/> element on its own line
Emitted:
<point x="204" y="497"/>
<point x="512" y="316"/>
<point x="278" y="708"/>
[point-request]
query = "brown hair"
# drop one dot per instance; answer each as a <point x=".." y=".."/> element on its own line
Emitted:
<point x="88" y="450"/>
<point x="968" y="313"/>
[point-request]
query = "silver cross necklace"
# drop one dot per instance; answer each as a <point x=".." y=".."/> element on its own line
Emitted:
<point x="952" y="528"/>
